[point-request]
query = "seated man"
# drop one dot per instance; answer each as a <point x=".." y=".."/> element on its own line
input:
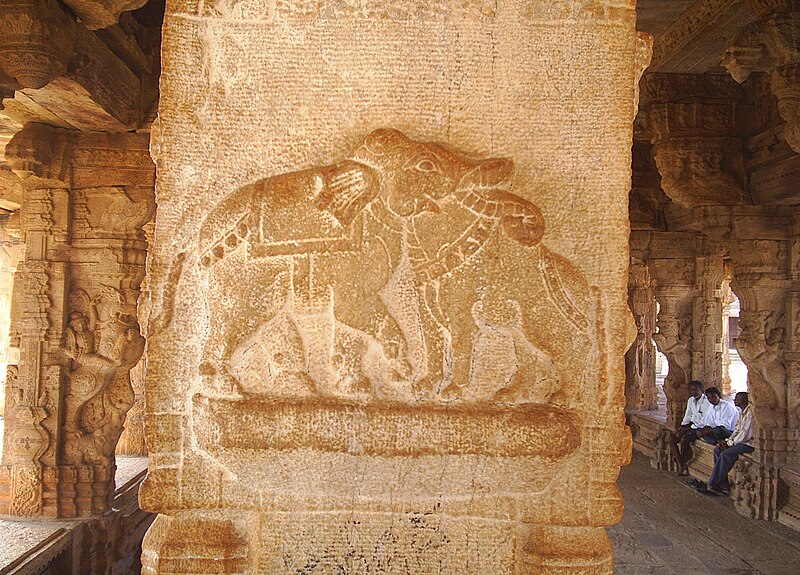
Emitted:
<point x="720" y="419"/>
<point x="728" y="450"/>
<point x="680" y="441"/>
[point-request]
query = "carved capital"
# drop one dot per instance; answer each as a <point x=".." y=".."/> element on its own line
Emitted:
<point x="700" y="171"/>
<point x="42" y="152"/>
<point x="772" y="45"/>
<point x="56" y="157"/>
<point x="97" y="14"/>
<point x="785" y="84"/>
<point x="36" y="41"/>
<point x="692" y="124"/>
<point x="764" y="46"/>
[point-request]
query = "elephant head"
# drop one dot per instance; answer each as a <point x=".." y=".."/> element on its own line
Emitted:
<point x="405" y="176"/>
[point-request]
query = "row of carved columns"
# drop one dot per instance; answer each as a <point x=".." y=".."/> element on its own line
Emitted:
<point x="727" y="160"/>
<point x="86" y="199"/>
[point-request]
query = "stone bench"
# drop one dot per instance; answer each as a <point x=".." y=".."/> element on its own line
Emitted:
<point x="650" y="438"/>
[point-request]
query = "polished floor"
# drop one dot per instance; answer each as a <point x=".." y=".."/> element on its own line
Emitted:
<point x="670" y="529"/>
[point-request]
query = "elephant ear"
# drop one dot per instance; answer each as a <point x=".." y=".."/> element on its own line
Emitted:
<point x="347" y="189"/>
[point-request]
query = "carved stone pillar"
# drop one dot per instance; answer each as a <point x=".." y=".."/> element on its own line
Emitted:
<point x="728" y="298"/>
<point x="131" y="442"/>
<point x="674" y="340"/>
<point x="86" y="197"/>
<point x="765" y="280"/>
<point x="640" y="360"/>
<point x="772" y="45"/>
<point x="354" y="311"/>
<point x="707" y="322"/>
<point x="10" y="255"/>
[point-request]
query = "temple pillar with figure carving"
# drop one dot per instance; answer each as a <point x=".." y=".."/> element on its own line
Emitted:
<point x="86" y="196"/>
<point x="765" y="279"/>
<point x="393" y="321"/>
<point x="640" y="360"/>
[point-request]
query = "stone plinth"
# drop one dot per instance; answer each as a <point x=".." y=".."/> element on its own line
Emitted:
<point x="389" y="287"/>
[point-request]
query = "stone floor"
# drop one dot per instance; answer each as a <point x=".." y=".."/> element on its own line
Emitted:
<point x="670" y="529"/>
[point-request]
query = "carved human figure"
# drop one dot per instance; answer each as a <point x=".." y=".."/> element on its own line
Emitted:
<point x="102" y="346"/>
<point x="383" y="272"/>
<point x="761" y="348"/>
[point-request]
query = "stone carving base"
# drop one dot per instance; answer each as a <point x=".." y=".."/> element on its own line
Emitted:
<point x="369" y="542"/>
<point x="66" y="491"/>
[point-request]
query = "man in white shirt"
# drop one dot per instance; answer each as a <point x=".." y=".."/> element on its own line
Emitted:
<point x="720" y="419"/>
<point x="728" y="450"/>
<point x="680" y="441"/>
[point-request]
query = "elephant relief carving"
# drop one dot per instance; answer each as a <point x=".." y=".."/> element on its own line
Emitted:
<point x="408" y="271"/>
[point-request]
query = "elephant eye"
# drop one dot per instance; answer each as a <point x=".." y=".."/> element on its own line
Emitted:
<point x="426" y="166"/>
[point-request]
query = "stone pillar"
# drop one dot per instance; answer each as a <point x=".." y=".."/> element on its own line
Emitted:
<point x="765" y="281"/>
<point x="10" y="254"/>
<point x="728" y="297"/>
<point x="640" y="360"/>
<point x="771" y="45"/>
<point x="131" y="442"/>
<point x="674" y="339"/>
<point x="384" y="315"/>
<point x="708" y="317"/>
<point x="86" y="197"/>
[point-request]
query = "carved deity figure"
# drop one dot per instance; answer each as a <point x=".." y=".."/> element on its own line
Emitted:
<point x="102" y="344"/>
<point x="760" y="346"/>
<point x="408" y="271"/>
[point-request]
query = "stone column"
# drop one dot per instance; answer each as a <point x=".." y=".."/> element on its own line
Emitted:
<point x="674" y="340"/>
<point x="361" y="336"/>
<point x="708" y="317"/>
<point x="640" y="360"/>
<point x="86" y="197"/>
<point x="131" y="442"/>
<point x="765" y="281"/>
<point x="771" y="45"/>
<point x="728" y="297"/>
<point x="10" y="255"/>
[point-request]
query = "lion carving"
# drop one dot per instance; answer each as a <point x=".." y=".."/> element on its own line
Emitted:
<point x="408" y="271"/>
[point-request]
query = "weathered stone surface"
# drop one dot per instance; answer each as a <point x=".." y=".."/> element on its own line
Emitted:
<point x="372" y="309"/>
